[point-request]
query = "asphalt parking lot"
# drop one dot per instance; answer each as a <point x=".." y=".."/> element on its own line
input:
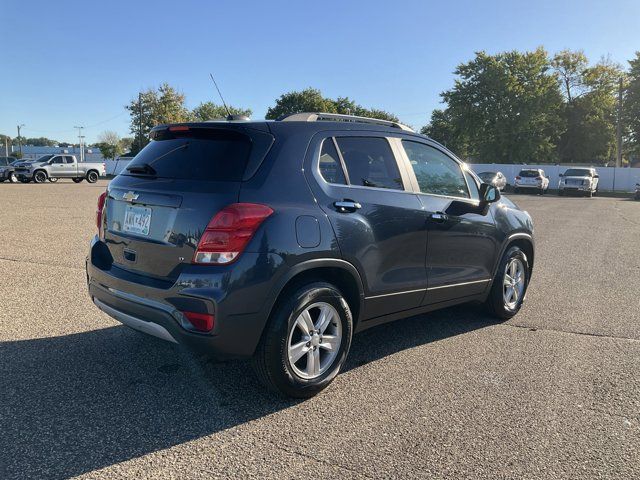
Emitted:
<point x="553" y="393"/>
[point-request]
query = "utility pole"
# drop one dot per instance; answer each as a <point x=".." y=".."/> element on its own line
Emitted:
<point x="139" y="121"/>
<point x="20" y="139"/>
<point x="6" y="147"/>
<point x="80" y="142"/>
<point x="619" y="127"/>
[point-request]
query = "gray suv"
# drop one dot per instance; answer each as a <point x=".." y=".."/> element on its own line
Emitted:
<point x="277" y="241"/>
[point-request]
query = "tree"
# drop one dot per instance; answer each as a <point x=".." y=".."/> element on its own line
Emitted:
<point x="155" y="107"/>
<point x="590" y="107"/>
<point x="311" y="100"/>
<point x="40" y="142"/>
<point x="110" y="145"/>
<point x="631" y="113"/>
<point x="210" y="111"/>
<point x="503" y="108"/>
<point x="443" y="129"/>
<point x="307" y="100"/>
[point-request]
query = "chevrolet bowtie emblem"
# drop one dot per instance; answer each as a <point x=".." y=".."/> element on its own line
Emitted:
<point x="130" y="196"/>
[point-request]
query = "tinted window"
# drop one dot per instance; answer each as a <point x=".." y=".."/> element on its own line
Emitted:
<point x="329" y="163"/>
<point x="57" y="160"/>
<point x="370" y="162"/>
<point x="578" y="172"/>
<point x="68" y="159"/>
<point x="529" y="173"/>
<point x="216" y="156"/>
<point x="436" y="172"/>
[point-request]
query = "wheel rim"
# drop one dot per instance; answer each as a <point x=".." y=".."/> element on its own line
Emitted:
<point x="314" y="340"/>
<point x="513" y="283"/>
<point x="93" y="177"/>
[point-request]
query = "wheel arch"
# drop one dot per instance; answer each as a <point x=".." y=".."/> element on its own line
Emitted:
<point x="338" y="272"/>
<point x="522" y="240"/>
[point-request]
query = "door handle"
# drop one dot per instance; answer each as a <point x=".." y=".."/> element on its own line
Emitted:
<point x="439" y="217"/>
<point x="346" y="205"/>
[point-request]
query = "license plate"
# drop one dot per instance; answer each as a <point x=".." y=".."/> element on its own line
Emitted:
<point x="137" y="220"/>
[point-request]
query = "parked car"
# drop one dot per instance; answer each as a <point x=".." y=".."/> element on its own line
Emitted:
<point x="497" y="179"/>
<point x="531" y="179"/>
<point x="637" y="194"/>
<point x="579" y="180"/>
<point x="278" y="240"/>
<point x="7" y="169"/>
<point x="53" y="167"/>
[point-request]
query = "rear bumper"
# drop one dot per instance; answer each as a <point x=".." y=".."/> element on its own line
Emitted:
<point x="240" y="312"/>
<point x="529" y="186"/>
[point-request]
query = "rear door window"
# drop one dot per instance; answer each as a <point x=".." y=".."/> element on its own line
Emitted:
<point x="208" y="156"/>
<point x="370" y="162"/>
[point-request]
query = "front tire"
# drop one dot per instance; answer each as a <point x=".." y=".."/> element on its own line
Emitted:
<point x="40" y="176"/>
<point x="510" y="284"/>
<point x="306" y="341"/>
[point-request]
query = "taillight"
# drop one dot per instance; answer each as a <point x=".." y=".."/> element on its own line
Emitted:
<point x="101" y="199"/>
<point x="229" y="232"/>
<point x="202" y="322"/>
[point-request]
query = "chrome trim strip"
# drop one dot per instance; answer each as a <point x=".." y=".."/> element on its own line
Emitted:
<point x="149" y="328"/>
<point x="458" y="284"/>
<point x="396" y="293"/>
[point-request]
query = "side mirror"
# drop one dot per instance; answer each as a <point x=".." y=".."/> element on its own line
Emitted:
<point x="561" y="175"/>
<point x="489" y="193"/>
<point x="596" y="176"/>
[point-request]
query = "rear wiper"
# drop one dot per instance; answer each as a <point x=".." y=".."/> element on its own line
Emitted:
<point x="142" y="168"/>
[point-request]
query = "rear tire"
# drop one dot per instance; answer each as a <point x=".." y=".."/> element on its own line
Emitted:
<point x="92" y="176"/>
<point x="502" y="302"/>
<point x="284" y="339"/>
<point x="77" y="180"/>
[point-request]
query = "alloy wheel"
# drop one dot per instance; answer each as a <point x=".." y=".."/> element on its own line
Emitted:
<point x="513" y="283"/>
<point x="314" y="340"/>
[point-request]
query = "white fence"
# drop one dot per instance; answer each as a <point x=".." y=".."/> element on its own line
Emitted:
<point x="611" y="178"/>
<point x="114" y="167"/>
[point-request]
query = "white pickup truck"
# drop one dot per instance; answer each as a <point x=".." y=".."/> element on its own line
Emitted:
<point x="54" y="167"/>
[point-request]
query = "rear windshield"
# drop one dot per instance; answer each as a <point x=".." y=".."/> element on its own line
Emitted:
<point x="577" y="172"/>
<point x="487" y="175"/>
<point x="529" y="173"/>
<point x="214" y="156"/>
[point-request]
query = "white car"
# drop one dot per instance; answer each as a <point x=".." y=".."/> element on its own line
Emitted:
<point x="531" y="179"/>
<point x="579" y="180"/>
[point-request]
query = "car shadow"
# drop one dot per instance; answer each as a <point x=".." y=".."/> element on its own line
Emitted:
<point x="76" y="403"/>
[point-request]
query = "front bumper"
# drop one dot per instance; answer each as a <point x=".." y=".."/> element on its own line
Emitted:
<point x="153" y="307"/>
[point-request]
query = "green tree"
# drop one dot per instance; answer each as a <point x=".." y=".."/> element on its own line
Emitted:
<point x="631" y="112"/>
<point x="443" y="129"/>
<point x="503" y="108"/>
<point x="110" y="145"/>
<point x="307" y="100"/>
<point x="210" y="111"/>
<point x="40" y="142"/>
<point x="155" y="107"/>
<point x="312" y="100"/>
<point x="590" y="107"/>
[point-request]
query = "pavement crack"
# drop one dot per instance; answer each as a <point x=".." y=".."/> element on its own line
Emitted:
<point x="295" y="451"/>
<point x="570" y="332"/>
<point x="15" y="260"/>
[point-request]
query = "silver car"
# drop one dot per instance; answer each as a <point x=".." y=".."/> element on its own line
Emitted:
<point x="497" y="179"/>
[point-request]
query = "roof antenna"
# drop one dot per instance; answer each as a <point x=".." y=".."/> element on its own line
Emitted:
<point x="229" y="116"/>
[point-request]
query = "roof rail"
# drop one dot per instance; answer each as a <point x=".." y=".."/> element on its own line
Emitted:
<point x="338" y="117"/>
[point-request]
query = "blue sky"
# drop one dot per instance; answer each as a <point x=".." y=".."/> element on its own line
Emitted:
<point x="78" y="63"/>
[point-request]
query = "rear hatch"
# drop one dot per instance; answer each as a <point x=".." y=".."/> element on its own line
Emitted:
<point x="160" y="205"/>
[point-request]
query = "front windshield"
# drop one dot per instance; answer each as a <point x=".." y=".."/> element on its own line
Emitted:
<point x="44" y="158"/>
<point x="578" y="172"/>
<point x="487" y="176"/>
